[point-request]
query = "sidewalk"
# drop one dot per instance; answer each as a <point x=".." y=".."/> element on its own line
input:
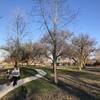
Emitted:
<point x="4" y="89"/>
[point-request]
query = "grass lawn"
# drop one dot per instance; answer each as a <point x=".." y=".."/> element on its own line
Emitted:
<point x="74" y="72"/>
<point x="25" y="72"/>
<point x="78" y="77"/>
<point x="39" y="89"/>
<point x="82" y="75"/>
<point x="43" y="89"/>
<point x="79" y="74"/>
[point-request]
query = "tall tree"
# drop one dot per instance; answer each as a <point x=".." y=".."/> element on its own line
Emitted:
<point x="55" y="49"/>
<point x="14" y="42"/>
<point x="55" y="14"/>
<point x="32" y="52"/>
<point x="81" y="49"/>
<point x="37" y="52"/>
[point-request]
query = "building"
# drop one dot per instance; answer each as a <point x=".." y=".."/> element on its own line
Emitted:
<point x="98" y="55"/>
<point x="3" y="54"/>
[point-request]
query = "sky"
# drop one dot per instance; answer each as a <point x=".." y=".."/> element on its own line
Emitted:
<point x="88" y="19"/>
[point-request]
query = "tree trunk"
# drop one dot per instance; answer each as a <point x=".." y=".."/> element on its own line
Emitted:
<point x="53" y="65"/>
<point x="16" y="63"/>
<point x="80" y="69"/>
<point x="81" y="66"/>
<point x="55" y="72"/>
<point x="84" y="64"/>
<point x="27" y="63"/>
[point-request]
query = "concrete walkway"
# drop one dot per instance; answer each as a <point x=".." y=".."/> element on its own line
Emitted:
<point x="4" y="89"/>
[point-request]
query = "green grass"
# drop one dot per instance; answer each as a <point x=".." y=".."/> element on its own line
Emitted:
<point x="42" y="89"/>
<point x="39" y="89"/>
<point x="40" y="85"/>
<point x="72" y="72"/>
<point x="78" y="74"/>
<point x="26" y="72"/>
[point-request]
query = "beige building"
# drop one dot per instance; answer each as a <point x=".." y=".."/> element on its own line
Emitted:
<point x="98" y="55"/>
<point x="3" y="55"/>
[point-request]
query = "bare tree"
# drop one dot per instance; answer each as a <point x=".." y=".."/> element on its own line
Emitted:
<point x="32" y="52"/>
<point x="37" y="53"/>
<point x="55" y="49"/>
<point x="55" y="14"/>
<point x="14" y="43"/>
<point x="82" y="47"/>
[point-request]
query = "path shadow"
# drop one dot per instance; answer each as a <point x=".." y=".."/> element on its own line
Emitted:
<point x="21" y="95"/>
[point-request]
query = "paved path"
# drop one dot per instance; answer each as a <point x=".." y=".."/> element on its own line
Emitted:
<point x="4" y="89"/>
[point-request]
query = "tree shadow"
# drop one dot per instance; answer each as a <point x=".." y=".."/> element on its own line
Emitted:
<point x="79" y="93"/>
<point x="80" y="82"/>
<point x="21" y="95"/>
<point x="76" y="91"/>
